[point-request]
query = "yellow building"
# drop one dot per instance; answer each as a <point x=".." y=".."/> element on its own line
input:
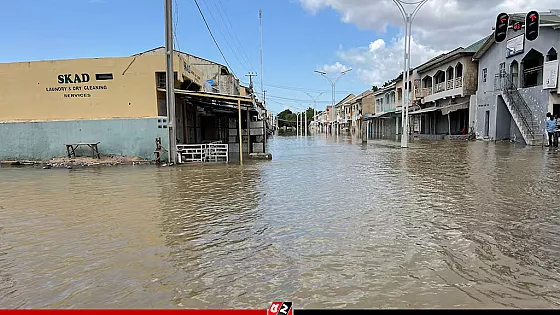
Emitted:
<point x="119" y="102"/>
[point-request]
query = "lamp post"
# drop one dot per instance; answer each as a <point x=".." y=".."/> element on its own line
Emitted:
<point x="408" y="18"/>
<point x="333" y="84"/>
<point x="314" y="99"/>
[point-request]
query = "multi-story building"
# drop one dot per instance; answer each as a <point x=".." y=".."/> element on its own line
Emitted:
<point x="384" y="122"/>
<point x="447" y="85"/>
<point x="358" y="107"/>
<point x="518" y="83"/>
<point x="343" y="118"/>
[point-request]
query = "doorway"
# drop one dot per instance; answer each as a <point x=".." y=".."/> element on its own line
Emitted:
<point x="487" y="124"/>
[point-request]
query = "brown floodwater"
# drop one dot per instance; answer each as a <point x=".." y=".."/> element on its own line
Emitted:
<point x="329" y="223"/>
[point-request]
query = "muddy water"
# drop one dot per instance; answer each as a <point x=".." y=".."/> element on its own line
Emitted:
<point x="326" y="224"/>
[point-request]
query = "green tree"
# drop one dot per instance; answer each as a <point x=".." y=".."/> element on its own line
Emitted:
<point x="310" y="114"/>
<point x="286" y="118"/>
<point x="375" y="88"/>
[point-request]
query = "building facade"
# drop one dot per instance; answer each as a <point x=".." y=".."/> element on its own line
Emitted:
<point x="446" y="88"/>
<point x="119" y="102"/>
<point x="518" y="83"/>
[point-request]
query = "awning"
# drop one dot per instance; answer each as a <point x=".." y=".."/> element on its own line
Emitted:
<point x="214" y="100"/>
<point x="445" y="110"/>
<point x="455" y="107"/>
<point x="425" y="110"/>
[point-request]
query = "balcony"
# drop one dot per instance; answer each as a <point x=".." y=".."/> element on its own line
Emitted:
<point x="426" y="92"/>
<point x="439" y="87"/>
<point x="449" y="88"/>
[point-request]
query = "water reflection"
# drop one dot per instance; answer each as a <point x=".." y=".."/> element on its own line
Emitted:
<point x="327" y="223"/>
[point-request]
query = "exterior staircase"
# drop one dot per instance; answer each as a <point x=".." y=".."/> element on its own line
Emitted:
<point x="520" y="111"/>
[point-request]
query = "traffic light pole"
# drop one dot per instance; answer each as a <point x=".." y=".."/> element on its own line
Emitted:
<point x="408" y="19"/>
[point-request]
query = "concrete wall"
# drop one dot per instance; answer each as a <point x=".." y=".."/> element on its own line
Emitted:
<point x="537" y="99"/>
<point x="45" y="140"/>
<point x="503" y="120"/>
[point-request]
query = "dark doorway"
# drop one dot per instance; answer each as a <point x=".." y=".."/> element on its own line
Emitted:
<point x="487" y="124"/>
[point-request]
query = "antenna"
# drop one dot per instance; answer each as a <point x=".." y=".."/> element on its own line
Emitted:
<point x="261" y="45"/>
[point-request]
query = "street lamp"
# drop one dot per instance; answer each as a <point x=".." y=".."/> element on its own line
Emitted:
<point x="408" y="19"/>
<point x="333" y="84"/>
<point x="314" y="99"/>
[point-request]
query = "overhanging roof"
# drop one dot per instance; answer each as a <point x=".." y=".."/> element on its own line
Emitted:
<point x="213" y="100"/>
<point x="445" y="110"/>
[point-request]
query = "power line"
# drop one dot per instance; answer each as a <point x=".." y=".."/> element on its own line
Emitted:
<point x="299" y="89"/>
<point x="213" y="38"/>
<point x="226" y="38"/>
<point x="234" y="35"/>
<point x="176" y="22"/>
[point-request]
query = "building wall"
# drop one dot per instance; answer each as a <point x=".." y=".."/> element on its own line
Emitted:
<point x="368" y="105"/>
<point x="47" y="139"/>
<point x="38" y="91"/>
<point x="45" y="105"/>
<point x="536" y="98"/>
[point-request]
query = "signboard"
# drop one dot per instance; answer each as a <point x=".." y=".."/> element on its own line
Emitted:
<point x="515" y="45"/>
<point x="550" y="74"/>
<point x="78" y="85"/>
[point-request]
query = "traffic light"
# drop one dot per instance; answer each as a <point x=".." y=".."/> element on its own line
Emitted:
<point x="532" y="25"/>
<point x="502" y="23"/>
<point x="517" y="26"/>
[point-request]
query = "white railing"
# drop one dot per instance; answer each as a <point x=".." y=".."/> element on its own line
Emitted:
<point x="450" y="84"/>
<point x="440" y="87"/>
<point x="458" y="82"/>
<point x="210" y="152"/>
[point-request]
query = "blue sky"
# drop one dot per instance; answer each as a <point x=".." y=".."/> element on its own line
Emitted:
<point x="300" y="36"/>
<point x="296" y="41"/>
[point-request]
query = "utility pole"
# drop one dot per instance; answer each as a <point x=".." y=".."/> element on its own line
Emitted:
<point x="251" y="75"/>
<point x="314" y="99"/>
<point x="306" y="122"/>
<point x="297" y="124"/>
<point x="170" y="82"/>
<point x="408" y="18"/>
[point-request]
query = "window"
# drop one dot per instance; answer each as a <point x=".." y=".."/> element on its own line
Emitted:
<point x="552" y="55"/>
<point x="484" y="74"/>
<point x="103" y="76"/>
<point x="532" y="65"/>
<point x="161" y="80"/>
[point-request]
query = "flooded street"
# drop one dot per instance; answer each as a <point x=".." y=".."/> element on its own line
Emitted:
<point x="325" y="224"/>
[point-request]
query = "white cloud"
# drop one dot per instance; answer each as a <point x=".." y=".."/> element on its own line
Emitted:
<point x="335" y="68"/>
<point x="441" y="25"/>
<point x="379" y="61"/>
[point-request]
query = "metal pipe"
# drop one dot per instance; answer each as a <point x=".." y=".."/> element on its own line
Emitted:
<point x="240" y="132"/>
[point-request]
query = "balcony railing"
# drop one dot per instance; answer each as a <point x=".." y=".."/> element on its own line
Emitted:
<point x="439" y="87"/>
<point x="458" y="82"/>
<point x="426" y="91"/>
<point x="450" y="84"/>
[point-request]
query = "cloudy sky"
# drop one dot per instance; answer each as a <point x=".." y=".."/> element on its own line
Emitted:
<point x="440" y="26"/>
<point x="300" y="36"/>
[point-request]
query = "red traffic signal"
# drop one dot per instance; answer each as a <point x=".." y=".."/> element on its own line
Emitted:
<point x="532" y="25"/>
<point x="502" y="23"/>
